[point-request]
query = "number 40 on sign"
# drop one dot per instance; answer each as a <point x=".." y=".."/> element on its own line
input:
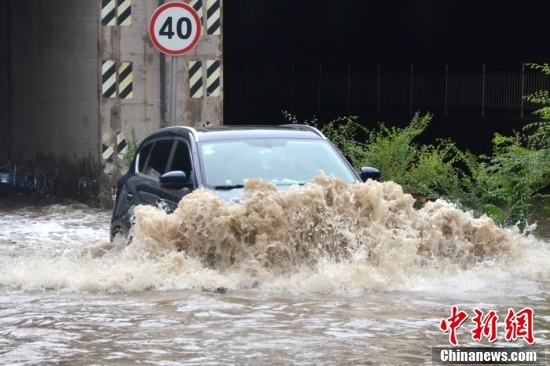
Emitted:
<point x="175" y="28"/>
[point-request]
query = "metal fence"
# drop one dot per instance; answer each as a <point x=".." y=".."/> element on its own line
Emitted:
<point x="479" y="87"/>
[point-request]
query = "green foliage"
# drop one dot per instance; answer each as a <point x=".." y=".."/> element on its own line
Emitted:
<point x="427" y="172"/>
<point x="503" y="186"/>
<point x="392" y="151"/>
<point x="514" y="177"/>
<point x="131" y="151"/>
<point x="105" y="199"/>
<point x="520" y="167"/>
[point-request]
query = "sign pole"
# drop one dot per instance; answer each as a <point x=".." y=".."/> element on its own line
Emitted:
<point x="175" y="29"/>
<point x="173" y="89"/>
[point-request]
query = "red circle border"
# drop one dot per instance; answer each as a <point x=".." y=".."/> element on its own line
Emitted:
<point x="156" y="14"/>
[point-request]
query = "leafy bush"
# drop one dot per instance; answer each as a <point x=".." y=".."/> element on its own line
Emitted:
<point x="520" y="168"/>
<point x="503" y="186"/>
<point x="427" y="172"/>
<point x="131" y="151"/>
<point x="105" y="199"/>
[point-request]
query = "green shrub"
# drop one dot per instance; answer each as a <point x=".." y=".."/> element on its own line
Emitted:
<point x="427" y="172"/>
<point x="503" y="186"/>
<point x="520" y="167"/>
<point x="105" y="199"/>
<point x="131" y="151"/>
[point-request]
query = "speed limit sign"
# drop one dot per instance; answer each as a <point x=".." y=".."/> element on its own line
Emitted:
<point x="175" y="28"/>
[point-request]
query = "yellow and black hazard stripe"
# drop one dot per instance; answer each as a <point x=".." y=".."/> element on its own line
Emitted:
<point x="195" y="79"/>
<point x="212" y="78"/>
<point x="213" y="17"/>
<point x="108" y="79"/>
<point x="113" y="14"/>
<point x="125" y="77"/>
<point x="124" y="12"/>
<point x="108" y="12"/>
<point x="108" y="152"/>
<point x="121" y="145"/>
<point x="197" y="5"/>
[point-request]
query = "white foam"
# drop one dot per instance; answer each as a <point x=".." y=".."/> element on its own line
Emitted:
<point x="328" y="237"/>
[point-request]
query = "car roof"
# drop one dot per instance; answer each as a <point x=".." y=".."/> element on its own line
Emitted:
<point x="219" y="133"/>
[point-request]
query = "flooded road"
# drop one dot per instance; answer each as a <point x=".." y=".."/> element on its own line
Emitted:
<point x="329" y="274"/>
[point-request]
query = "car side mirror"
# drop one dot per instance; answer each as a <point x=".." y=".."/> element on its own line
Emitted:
<point x="174" y="180"/>
<point x="370" y="173"/>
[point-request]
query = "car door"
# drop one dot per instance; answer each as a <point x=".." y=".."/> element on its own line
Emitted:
<point x="136" y="190"/>
<point x="180" y="160"/>
<point x="151" y="169"/>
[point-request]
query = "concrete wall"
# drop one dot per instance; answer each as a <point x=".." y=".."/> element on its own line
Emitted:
<point x="54" y="74"/>
<point x="4" y="99"/>
<point x="56" y="118"/>
<point x="142" y="113"/>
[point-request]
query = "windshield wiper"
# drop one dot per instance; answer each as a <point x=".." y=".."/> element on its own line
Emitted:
<point x="228" y="187"/>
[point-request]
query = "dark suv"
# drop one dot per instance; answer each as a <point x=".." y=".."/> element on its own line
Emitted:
<point x="174" y="161"/>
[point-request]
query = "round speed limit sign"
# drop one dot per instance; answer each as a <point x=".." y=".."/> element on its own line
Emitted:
<point x="175" y="28"/>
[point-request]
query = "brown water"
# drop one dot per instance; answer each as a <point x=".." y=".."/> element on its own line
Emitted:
<point x="330" y="273"/>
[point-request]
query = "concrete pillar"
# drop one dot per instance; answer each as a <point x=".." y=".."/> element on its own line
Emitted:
<point x="4" y="80"/>
<point x="140" y="113"/>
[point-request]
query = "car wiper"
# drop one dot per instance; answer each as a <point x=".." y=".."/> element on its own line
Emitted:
<point x="290" y="184"/>
<point x="228" y="187"/>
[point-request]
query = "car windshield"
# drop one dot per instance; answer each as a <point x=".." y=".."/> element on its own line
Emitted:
<point x="230" y="164"/>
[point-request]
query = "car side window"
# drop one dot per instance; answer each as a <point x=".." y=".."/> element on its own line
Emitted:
<point x="158" y="159"/>
<point x="143" y="155"/>
<point x="182" y="158"/>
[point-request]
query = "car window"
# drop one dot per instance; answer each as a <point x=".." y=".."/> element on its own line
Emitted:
<point x="182" y="158"/>
<point x="280" y="161"/>
<point x="158" y="158"/>
<point x="143" y="155"/>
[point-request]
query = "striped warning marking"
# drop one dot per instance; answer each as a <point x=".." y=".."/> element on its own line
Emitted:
<point x="125" y="81"/>
<point x="213" y="17"/>
<point x="108" y="10"/>
<point x="197" y="5"/>
<point x="108" y="79"/>
<point x="121" y="145"/>
<point x="212" y="78"/>
<point x="108" y="152"/>
<point x="124" y="12"/>
<point x="195" y="79"/>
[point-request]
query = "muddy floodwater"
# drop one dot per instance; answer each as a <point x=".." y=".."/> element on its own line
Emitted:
<point x="327" y="274"/>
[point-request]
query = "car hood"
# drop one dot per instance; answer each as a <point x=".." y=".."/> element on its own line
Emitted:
<point x="235" y="195"/>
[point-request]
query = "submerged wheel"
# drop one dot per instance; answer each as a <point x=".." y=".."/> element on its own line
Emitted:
<point x="119" y="234"/>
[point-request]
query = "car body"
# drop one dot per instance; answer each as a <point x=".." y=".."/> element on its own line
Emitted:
<point x="174" y="161"/>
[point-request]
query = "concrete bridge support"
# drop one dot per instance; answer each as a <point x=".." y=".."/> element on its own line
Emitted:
<point x="79" y="78"/>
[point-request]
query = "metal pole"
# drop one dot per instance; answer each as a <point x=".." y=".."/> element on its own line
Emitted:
<point x="522" y="87"/>
<point x="292" y="95"/>
<point x="247" y="90"/>
<point x="483" y="93"/>
<point x="173" y="89"/>
<point x="446" y="87"/>
<point x="349" y="72"/>
<point x="162" y="71"/>
<point x="411" y="101"/>
<point x="320" y="76"/>
<point x="378" y="88"/>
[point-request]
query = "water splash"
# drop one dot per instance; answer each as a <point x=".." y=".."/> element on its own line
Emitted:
<point x="328" y="236"/>
<point x="329" y="219"/>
